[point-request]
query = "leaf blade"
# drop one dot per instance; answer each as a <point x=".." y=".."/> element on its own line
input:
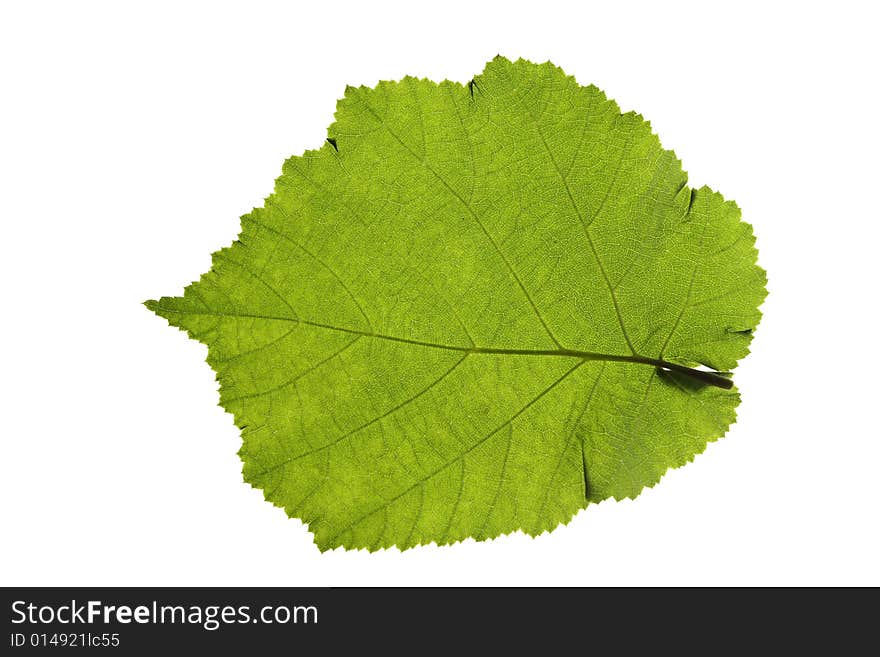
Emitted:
<point x="381" y="327"/>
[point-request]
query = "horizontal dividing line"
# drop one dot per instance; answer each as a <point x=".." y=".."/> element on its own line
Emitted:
<point x="706" y="377"/>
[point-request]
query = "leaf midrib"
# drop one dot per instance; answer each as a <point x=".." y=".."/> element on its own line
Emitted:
<point x="711" y="378"/>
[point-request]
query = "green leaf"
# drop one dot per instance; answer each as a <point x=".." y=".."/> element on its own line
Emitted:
<point x="474" y="311"/>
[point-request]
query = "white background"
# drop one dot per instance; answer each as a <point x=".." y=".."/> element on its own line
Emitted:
<point x="132" y="136"/>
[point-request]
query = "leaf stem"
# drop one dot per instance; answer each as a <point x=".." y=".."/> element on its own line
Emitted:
<point x="711" y="378"/>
